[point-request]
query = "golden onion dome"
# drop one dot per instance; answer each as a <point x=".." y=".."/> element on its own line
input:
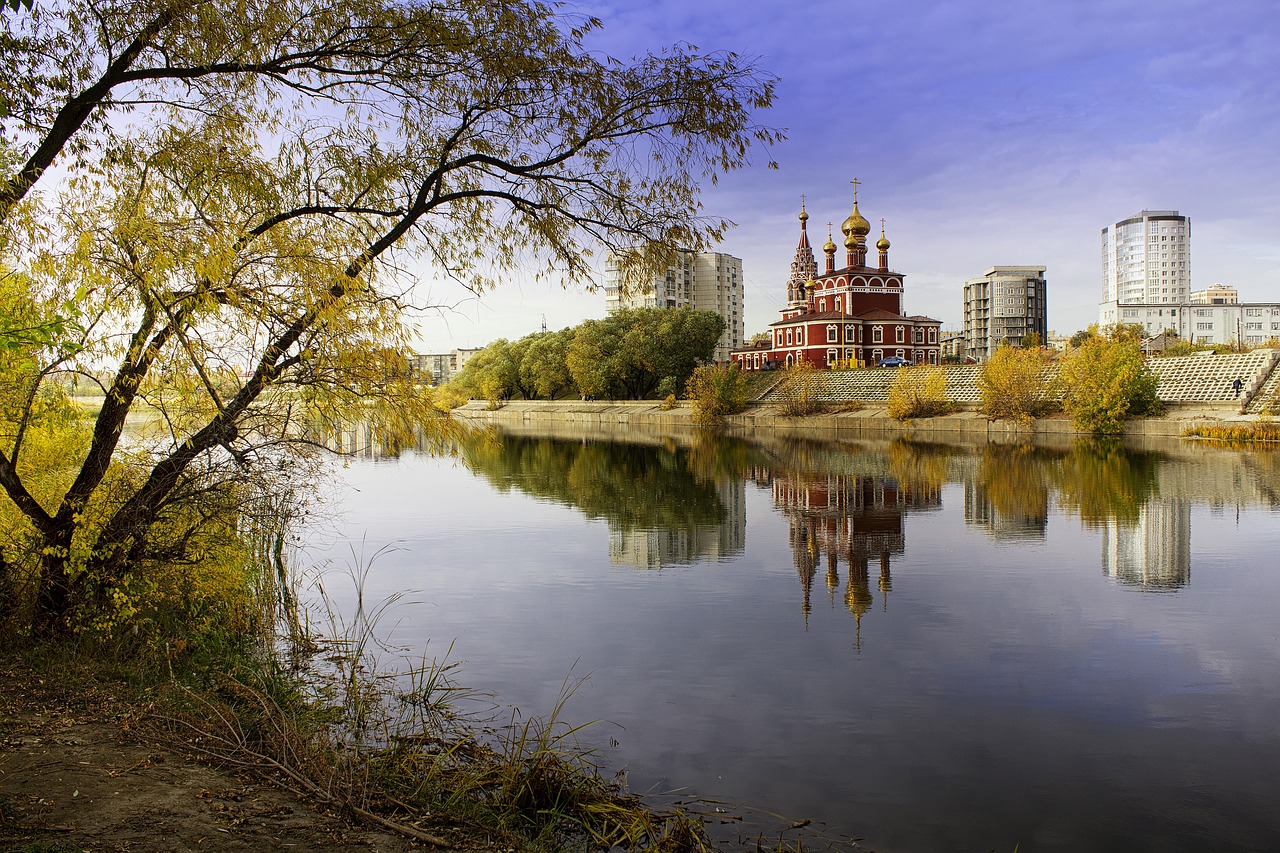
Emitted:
<point x="883" y="243"/>
<point x="828" y="246"/>
<point x="856" y="225"/>
<point x="804" y="214"/>
<point x="850" y="241"/>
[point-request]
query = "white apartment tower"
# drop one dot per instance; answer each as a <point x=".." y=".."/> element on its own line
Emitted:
<point x="1006" y="303"/>
<point x="1146" y="258"/>
<point x="703" y="281"/>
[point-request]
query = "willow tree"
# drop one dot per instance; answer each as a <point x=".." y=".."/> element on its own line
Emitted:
<point x="221" y="202"/>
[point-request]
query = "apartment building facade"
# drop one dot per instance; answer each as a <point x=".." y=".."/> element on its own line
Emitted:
<point x="1006" y="303"/>
<point x="702" y="281"/>
<point x="1146" y="258"/>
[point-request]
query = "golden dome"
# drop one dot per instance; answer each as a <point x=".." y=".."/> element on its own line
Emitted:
<point x="883" y="243"/>
<point x="828" y="246"/>
<point x="804" y="215"/>
<point x="856" y="225"/>
<point x="850" y="241"/>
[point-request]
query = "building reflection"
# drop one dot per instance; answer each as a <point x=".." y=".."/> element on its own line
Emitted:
<point x="985" y="510"/>
<point x="1153" y="551"/>
<point x="852" y="519"/>
<point x="655" y="547"/>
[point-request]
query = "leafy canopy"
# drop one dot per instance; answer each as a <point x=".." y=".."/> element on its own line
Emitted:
<point x="214" y="210"/>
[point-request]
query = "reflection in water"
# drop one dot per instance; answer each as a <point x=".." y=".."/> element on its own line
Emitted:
<point x="1014" y="699"/>
<point x="857" y="519"/>
<point x="670" y="501"/>
<point x="664" y="505"/>
<point x="1153" y="551"/>
<point x="1008" y="495"/>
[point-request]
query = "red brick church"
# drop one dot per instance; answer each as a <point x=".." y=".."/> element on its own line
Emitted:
<point x="847" y="317"/>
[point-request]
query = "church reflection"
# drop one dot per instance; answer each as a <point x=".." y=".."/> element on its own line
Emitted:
<point x="852" y="519"/>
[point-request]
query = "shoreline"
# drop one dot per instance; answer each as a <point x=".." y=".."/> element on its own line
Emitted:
<point x="870" y="420"/>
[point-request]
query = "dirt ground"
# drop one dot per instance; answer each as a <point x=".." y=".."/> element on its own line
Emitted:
<point x="78" y="774"/>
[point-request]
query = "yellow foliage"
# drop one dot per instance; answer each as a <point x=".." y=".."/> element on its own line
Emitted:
<point x="919" y="392"/>
<point x="1014" y="384"/>
<point x="1105" y="381"/>
<point x="798" y="392"/>
<point x="716" y="392"/>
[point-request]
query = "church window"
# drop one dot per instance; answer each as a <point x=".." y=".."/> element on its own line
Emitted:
<point x="789" y="341"/>
<point x="833" y="333"/>
<point x="900" y="334"/>
<point x="877" y="335"/>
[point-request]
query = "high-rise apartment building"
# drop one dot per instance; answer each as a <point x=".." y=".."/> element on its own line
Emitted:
<point x="703" y="281"/>
<point x="1006" y="303"/>
<point x="1146" y="258"/>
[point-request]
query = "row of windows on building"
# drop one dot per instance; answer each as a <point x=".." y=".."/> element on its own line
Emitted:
<point x="853" y="334"/>
<point x="755" y="361"/>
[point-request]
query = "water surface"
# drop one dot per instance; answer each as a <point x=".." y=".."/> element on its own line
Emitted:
<point x="929" y="647"/>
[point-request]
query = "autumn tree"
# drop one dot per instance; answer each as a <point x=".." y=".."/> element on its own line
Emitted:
<point x="717" y="391"/>
<point x="919" y="392"/>
<point x="1106" y="381"/>
<point x="236" y="197"/>
<point x="1015" y="384"/>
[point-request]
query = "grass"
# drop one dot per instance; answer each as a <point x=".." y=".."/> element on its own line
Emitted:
<point x="408" y="749"/>
<point x="1261" y="430"/>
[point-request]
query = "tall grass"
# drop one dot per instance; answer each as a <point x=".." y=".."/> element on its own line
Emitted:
<point x="401" y="744"/>
<point x="1261" y="430"/>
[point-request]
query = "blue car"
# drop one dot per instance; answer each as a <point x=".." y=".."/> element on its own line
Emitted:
<point x="894" y="361"/>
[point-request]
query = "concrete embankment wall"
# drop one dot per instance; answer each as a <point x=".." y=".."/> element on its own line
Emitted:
<point x="871" y="421"/>
<point x="1196" y="389"/>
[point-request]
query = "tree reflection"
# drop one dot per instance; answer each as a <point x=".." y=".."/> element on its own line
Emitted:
<point x="1099" y="481"/>
<point x="1008" y="494"/>
<point x="631" y="486"/>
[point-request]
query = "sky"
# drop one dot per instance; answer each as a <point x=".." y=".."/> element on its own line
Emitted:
<point x="1004" y="132"/>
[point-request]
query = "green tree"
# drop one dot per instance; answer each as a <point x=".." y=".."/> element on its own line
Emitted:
<point x="1082" y="335"/>
<point x="1015" y="384"/>
<point x="543" y="368"/>
<point x="637" y="352"/>
<point x="235" y="188"/>
<point x="1105" y="381"/>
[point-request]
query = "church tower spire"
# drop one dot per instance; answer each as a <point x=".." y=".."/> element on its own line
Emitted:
<point x="803" y="266"/>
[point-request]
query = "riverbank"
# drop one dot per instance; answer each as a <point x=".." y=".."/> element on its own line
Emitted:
<point x="871" y="420"/>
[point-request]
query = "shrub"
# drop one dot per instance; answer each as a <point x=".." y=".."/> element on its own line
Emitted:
<point x="716" y="392"/>
<point x="1014" y="385"/>
<point x="799" y="390"/>
<point x="919" y="392"/>
<point x="1105" y="381"/>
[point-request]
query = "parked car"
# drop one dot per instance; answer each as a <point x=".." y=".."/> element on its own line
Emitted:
<point x="894" y="361"/>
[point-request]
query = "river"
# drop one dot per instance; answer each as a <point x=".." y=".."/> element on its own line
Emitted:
<point x="929" y="647"/>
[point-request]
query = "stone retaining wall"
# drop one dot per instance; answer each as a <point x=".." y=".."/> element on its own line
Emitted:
<point x="871" y="421"/>
<point x="1196" y="389"/>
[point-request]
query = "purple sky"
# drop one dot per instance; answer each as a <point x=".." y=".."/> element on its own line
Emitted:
<point x="1007" y="132"/>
